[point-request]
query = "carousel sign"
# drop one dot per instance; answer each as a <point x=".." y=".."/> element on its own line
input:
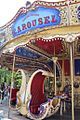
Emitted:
<point x="39" y="18"/>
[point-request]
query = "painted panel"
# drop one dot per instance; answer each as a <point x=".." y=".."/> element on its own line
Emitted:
<point x="27" y="53"/>
<point x="77" y="67"/>
<point x="2" y="38"/>
<point x="39" y="18"/>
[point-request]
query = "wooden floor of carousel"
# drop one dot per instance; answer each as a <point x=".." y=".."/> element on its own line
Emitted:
<point x="14" y="115"/>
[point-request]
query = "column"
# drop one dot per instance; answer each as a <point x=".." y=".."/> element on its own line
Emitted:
<point x="63" y="78"/>
<point x="12" y="83"/>
<point x="54" y="61"/>
<point x="70" y="39"/>
<point x="72" y="77"/>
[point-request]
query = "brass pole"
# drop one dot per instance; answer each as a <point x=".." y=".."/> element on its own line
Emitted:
<point x="55" y="70"/>
<point x="55" y="76"/>
<point x="55" y="60"/>
<point x="12" y="82"/>
<point x="63" y="78"/>
<point x="72" y="77"/>
<point x="71" y="60"/>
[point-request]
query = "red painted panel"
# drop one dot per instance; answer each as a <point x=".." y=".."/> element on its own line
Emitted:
<point x="50" y="46"/>
<point x="13" y="96"/>
<point x="67" y="67"/>
<point x="37" y="92"/>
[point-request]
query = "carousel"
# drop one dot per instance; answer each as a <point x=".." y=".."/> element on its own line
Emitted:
<point x="42" y="43"/>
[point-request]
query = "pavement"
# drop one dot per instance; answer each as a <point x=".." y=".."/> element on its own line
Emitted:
<point x="10" y="113"/>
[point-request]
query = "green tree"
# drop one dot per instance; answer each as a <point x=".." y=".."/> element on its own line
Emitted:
<point x="6" y="76"/>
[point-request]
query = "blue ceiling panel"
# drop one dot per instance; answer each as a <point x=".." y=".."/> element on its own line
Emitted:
<point x="26" y="52"/>
<point x="51" y="65"/>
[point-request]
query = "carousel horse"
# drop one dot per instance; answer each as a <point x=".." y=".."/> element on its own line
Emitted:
<point x="36" y="106"/>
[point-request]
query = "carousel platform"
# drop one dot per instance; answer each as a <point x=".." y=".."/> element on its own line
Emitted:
<point x="65" y="116"/>
<point x="14" y="115"/>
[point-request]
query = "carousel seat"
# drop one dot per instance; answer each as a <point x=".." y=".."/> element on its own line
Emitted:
<point x="34" y="109"/>
<point x="35" y="104"/>
<point x="13" y="96"/>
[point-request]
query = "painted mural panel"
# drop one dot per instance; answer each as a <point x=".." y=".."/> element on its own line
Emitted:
<point x="77" y="67"/>
<point x="2" y="38"/>
<point x="38" y="18"/>
<point x="75" y="14"/>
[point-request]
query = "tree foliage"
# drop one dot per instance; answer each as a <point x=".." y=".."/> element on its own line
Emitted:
<point x="6" y="76"/>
